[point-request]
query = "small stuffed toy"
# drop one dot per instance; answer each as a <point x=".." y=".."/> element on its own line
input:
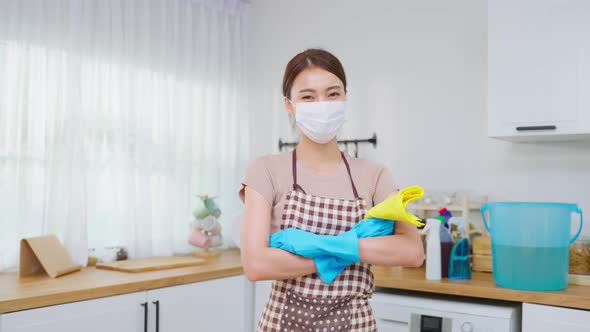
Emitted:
<point x="206" y="227"/>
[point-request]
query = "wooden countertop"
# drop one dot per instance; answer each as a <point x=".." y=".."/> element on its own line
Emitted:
<point x="481" y="286"/>
<point x="91" y="283"/>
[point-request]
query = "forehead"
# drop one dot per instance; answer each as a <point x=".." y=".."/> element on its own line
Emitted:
<point x="315" y="78"/>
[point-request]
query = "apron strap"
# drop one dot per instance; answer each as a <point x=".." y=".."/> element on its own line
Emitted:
<point x="296" y="186"/>
<point x="356" y="194"/>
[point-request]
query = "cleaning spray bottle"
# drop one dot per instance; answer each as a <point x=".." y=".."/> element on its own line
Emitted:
<point x="433" y="258"/>
<point x="459" y="263"/>
<point x="461" y="226"/>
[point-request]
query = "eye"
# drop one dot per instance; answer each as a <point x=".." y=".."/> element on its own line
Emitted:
<point x="334" y="94"/>
<point x="307" y="98"/>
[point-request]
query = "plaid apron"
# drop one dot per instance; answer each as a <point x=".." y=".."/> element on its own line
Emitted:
<point x="306" y="303"/>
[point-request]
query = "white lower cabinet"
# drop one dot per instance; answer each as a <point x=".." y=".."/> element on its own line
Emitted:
<point x="214" y="305"/>
<point x="542" y="318"/>
<point x="115" y="313"/>
<point x="208" y="306"/>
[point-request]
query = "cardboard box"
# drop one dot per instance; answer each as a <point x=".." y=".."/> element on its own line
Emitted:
<point x="45" y="255"/>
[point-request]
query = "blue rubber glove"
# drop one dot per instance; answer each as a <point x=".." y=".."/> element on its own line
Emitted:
<point x="306" y="244"/>
<point x="331" y="254"/>
<point x="374" y="227"/>
<point x="329" y="267"/>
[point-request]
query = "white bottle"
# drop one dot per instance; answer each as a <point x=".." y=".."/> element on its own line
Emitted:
<point x="433" y="271"/>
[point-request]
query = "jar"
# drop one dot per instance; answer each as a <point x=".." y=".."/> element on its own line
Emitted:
<point x="580" y="257"/>
<point x="92" y="259"/>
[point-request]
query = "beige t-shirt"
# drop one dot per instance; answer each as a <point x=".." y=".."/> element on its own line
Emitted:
<point x="272" y="177"/>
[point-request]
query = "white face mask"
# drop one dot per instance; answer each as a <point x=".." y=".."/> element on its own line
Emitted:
<point x="320" y="121"/>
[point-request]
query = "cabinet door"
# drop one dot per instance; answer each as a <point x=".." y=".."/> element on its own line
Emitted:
<point x="535" y="55"/>
<point x="122" y="313"/>
<point x="541" y="318"/>
<point x="213" y="305"/>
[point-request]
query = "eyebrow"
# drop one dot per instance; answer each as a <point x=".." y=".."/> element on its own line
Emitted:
<point x="330" y="88"/>
<point x="333" y="87"/>
<point x="306" y="90"/>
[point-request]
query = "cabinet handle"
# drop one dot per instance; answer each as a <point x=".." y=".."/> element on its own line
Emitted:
<point x="393" y="323"/>
<point x="157" y="303"/>
<point x="531" y="128"/>
<point x="145" y="316"/>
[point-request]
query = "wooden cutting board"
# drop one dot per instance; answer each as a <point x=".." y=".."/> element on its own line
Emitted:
<point x="151" y="264"/>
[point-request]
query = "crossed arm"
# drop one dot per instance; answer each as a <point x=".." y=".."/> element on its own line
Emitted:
<point x="263" y="263"/>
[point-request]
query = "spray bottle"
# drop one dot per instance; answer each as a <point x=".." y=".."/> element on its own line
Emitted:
<point x="461" y="227"/>
<point x="459" y="264"/>
<point x="433" y="267"/>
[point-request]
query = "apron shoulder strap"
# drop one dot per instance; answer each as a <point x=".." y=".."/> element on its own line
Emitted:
<point x="356" y="194"/>
<point x="296" y="186"/>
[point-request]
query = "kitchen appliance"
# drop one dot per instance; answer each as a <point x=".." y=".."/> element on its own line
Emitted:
<point x="530" y="243"/>
<point x="398" y="311"/>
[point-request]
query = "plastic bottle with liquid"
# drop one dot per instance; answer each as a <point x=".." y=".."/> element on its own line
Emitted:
<point x="446" y="246"/>
<point x="446" y="215"/>
<point x="459" y="263"/>
<point x="433" y="249"/>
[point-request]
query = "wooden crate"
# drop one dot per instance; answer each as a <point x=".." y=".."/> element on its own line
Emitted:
<point x="482" y="263"/>
<point x="482" y="245"/>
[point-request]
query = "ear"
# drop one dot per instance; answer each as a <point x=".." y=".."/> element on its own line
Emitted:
<point x="289" y="106"/>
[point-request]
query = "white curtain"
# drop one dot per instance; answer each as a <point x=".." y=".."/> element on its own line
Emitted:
<point x="113" y="116"/>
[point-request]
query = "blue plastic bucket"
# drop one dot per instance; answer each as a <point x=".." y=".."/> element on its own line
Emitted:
<point x="530" y="243"/>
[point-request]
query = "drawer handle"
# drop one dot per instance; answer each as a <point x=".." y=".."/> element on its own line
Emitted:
<point x="145" y="316"/>
<point x="157" y="303"/>
<point x="533" y="128"/>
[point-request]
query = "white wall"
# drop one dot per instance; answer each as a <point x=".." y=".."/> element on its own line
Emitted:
<point x="417" y="76"/>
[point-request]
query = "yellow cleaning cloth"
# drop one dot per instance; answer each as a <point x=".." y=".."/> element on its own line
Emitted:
<point x="394" y="208"/>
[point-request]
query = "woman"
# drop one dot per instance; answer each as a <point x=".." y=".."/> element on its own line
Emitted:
<point x="319" y="189"/>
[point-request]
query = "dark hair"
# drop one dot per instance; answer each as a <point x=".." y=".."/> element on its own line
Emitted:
<point x="310" y="58"/>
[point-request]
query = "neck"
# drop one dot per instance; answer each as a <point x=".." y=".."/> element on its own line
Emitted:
<point x="319" y="157"/>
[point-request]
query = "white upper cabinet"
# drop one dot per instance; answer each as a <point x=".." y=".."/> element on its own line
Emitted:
<point x="539" y="69"/>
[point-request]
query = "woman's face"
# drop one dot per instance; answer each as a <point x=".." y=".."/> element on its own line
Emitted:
<point x="315" y="84"/>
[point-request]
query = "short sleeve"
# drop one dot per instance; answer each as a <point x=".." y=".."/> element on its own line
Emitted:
<point x="258" y="178"/>
<point x="384" y="186"/>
